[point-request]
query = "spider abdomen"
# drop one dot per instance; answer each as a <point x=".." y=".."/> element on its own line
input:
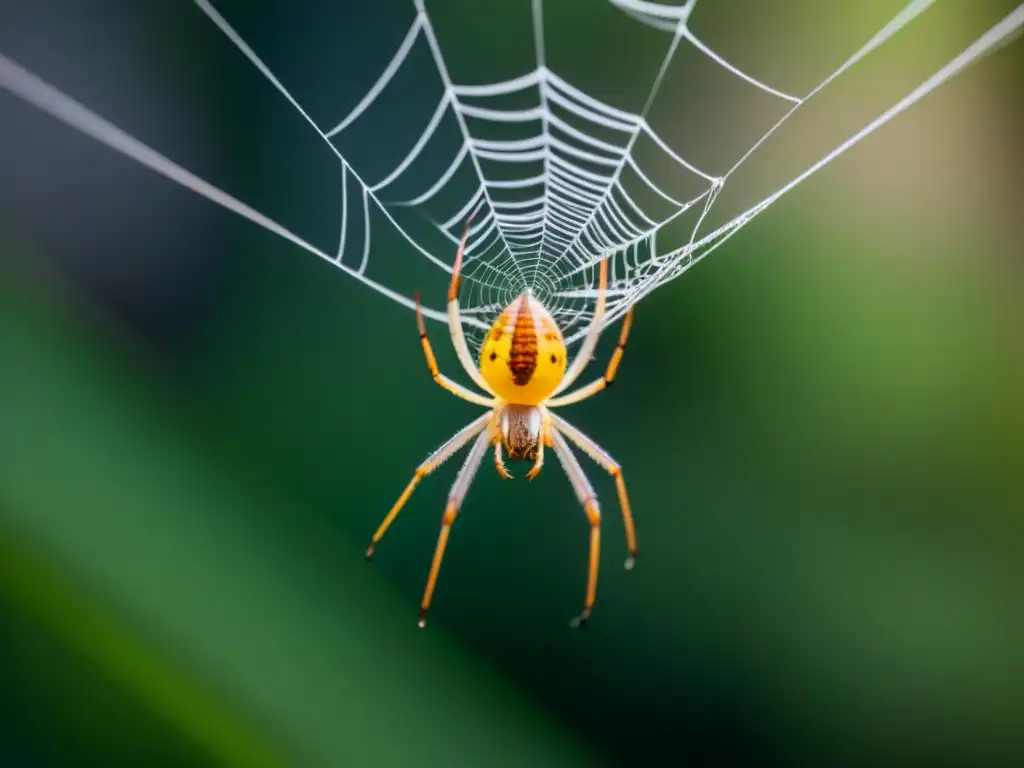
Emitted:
<point x="523" y="356"/>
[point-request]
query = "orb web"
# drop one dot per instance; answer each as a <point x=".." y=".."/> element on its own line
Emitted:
<point x="554" y="174"/>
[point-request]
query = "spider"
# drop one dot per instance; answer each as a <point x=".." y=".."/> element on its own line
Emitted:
<point x="523" y="370"/>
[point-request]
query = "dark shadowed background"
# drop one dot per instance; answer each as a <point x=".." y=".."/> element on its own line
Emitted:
<point x="822" y="426"/>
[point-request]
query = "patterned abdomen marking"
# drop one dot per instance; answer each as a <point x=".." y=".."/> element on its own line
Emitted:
<point x="522" y="359"/>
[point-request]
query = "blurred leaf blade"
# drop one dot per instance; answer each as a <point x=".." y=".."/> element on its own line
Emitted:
<point x="128" y="498"/>
<point x="198" y="714"/>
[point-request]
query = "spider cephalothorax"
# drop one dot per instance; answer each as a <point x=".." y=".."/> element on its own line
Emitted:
<point x="523" y="370"/>
<point x="520" y="430"/>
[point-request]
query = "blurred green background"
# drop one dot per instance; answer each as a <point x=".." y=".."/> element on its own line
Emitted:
<point x="822" y="426"/>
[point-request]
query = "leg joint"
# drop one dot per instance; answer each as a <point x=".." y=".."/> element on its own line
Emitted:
<point x="451" y="512"/>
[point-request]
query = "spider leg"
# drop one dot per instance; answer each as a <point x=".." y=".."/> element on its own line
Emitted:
<point x="596" y="386"/>
<point x="456" y="389"/>
<point x="586" y="350"/>
<point x="455" y="319"/>
<point x="451" y="511"/>
<point x="499" y="464"/>
<point x="601" y="457"/>
<point x="587" y="497"/>
<point x="438" y="457"/>
<point x="545" y="438"/>
<point x="538" y="463"/>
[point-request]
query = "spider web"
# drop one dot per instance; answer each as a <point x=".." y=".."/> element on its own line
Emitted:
<point x="555" y="176"/>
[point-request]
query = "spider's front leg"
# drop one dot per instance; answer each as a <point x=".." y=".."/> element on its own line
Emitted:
<point x="588" y="499"/>
<point x="538" y="461"/>
<point x="610" y="465"/>
<point x="538" y="451"/>
<point x="499" y="463"/>
<point x="436" y="459"/>
<point x="497" y="438"/>
<point x="451" y="511"/>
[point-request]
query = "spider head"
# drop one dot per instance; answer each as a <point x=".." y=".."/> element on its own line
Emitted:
<point x="529" y="453"/>
<point x="520" y="431"/>
<point x="523" y="356"/>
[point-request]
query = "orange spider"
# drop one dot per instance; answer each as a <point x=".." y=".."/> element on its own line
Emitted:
<point x="523" y="370"/>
